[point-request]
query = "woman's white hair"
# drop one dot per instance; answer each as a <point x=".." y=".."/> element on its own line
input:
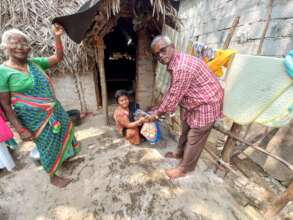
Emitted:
<point x="158" y="38"/>
<point x="7" y="35"/>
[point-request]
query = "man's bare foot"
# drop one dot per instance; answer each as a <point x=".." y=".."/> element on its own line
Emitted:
<point x="175" y="172"/>
<point x="173" y="155"/>
<point x="60" y="182"/>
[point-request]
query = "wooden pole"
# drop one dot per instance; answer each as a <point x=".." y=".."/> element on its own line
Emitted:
<point x="254" y="146"/>
<point x="267" y="136"/>
<point x="270" y="8"/>
<point x="100" y="47"/>
<point x="230" y="143"/>
<point x="97" y="82"/>
<point x="287" y="196"/>
<point x="231" y="32"/>
<point x="220" y="161"/>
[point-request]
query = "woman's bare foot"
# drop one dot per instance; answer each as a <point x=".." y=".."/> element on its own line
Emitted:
<point x="173" y="155"/>
<point x="175" y="172"/>
<point x="60" y="182"/>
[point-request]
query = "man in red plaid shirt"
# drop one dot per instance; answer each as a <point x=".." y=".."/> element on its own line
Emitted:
<point x="200" y="95"/>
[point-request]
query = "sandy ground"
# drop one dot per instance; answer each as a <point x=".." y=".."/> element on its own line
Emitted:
<point x="115" y="181"/>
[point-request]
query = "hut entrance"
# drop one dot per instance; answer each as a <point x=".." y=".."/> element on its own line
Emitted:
<point x="120" y="58"/>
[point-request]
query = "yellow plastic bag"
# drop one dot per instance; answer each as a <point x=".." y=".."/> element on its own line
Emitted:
<point x="222" y="59"/>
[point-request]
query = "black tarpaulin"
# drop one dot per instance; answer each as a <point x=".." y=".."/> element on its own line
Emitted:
<point x="76" y="25"/>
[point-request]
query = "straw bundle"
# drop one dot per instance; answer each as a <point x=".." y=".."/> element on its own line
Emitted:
<point x="159" y="8"/>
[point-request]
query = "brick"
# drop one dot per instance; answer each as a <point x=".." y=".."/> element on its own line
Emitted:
<point x="280" y="28"/>
<point x="213" y="38"/>
<point x="277" y="46"/>
<point x="249" y="47"/>
<point x="282" y="9"/>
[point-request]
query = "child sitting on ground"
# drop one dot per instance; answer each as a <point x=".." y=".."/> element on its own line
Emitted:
<point x="126" y="125"/>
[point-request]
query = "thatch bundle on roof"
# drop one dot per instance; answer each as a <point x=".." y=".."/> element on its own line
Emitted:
<point x="158" y="9"/>
<point x="148" y="14"/>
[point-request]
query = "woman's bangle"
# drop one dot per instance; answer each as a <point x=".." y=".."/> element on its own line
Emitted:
<point x="22" y="130"/>
<point x="59" y="47"/>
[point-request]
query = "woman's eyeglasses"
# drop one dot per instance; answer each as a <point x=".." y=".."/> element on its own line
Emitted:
<point x="24" y="46"/>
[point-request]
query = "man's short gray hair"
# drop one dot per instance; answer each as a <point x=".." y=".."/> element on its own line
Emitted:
<point x="7" y="35"/>
<point x="158" y="38"/>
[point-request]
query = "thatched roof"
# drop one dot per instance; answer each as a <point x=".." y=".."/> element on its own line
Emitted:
<point x="161" y="11"/>
<point x="150" y="14"/>
<point x="34" y="17"/>
<point x="98" y="17"/>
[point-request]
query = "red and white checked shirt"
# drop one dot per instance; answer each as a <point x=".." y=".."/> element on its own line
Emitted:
<point x="195" y="88"/>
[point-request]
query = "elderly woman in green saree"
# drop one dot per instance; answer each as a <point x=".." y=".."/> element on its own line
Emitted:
<point x="28" y="100"/>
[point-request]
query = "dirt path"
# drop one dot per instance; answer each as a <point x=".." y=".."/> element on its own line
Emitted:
<point x="115" y="181"/>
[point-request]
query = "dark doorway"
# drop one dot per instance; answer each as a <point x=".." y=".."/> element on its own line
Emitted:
<point x="120" y="58"/>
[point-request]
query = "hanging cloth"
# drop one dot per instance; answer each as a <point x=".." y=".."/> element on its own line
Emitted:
<point x="214" y="58"/>
<point x="221" y="59"/>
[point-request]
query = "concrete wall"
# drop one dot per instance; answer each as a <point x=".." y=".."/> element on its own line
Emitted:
<point x="76" y="91"/>
<point x="208" y="20"/>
